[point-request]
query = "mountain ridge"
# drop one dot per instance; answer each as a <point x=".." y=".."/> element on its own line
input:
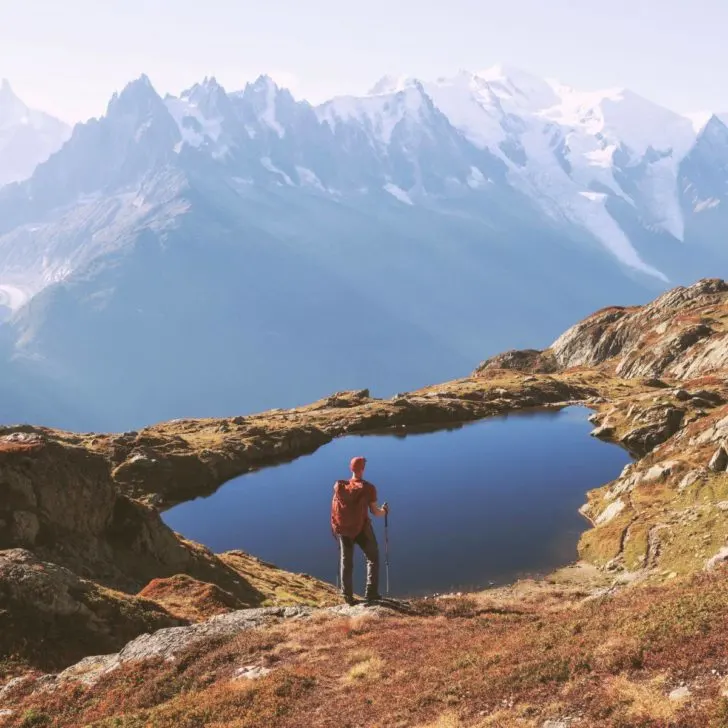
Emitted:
<point x="378" y="214"/>
<point x="569" y="117"/>
<point x="27" y="136"/>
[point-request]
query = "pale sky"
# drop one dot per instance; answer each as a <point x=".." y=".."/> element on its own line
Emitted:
<point x="68" y="56"/>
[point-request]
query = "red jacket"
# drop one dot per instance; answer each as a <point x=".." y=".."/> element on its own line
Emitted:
<point x="350" y="506"/>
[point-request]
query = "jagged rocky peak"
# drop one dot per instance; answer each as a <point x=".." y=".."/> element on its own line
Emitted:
<point x="390" y="84"/>
<point x="681" y="334"/>
<point x="521" y="88"/>
<point x="263" y="91"/>
<point x="6" y="91"/>
<point x="412" y="97"/>
<point x="12" y="109"/>
<point x="702" y="291"/>
<point x="266" y="104"/>
<point x="209" y="97"/>
<point x="714" y="129"/>
<point x="140" y="114"/>
<point x="27" y="137"/>
<point x="138" y="96"/>
<point x="208" y="89"/>
<point x="263" y="83"/>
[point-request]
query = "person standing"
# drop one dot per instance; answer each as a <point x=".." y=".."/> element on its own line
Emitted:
<point x="353" y="501"/>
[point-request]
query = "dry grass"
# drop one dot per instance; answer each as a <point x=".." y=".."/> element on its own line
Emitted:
<point x="644" y="701"/>
<point x="279" y="587"/>
<point x="612" y="661"/>
<point x="190" y="599"/>
<point x="366" y="666"/>
<point x="33" y="639"/>
<point x="446" y="720"/>
<point x="20" y="447"/>
<point x="706" y="381"/>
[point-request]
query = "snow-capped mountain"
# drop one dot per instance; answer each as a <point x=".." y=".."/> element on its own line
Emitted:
<point x="214" y="252"/>
<point x="27" y="137"/>
<point x="567" y="151"/>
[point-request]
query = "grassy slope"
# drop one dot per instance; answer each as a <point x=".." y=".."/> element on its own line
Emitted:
<point x="489" y="659"/>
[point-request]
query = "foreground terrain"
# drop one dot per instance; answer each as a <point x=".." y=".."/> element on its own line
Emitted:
<point x="633" y="635"/>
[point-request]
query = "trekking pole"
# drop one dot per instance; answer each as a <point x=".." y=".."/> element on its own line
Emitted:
<point x="386" y="547"/>
<point x="338" y="565"/>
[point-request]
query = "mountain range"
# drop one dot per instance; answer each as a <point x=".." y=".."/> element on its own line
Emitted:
<point x="27" y="137"/>
<point x="219" y="252"/>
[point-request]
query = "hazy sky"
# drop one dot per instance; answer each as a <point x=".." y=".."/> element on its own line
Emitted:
<point x="68" y="56"/>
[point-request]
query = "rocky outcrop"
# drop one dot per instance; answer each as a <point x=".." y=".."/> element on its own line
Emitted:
<point x="526" y="360"/>
<point x="61" y="502"/>
<point x="598" y="338"/>
<point x="719" y="462"/>
<point x="178" y="460"/>
<point x="640" y="428"/>
<point x="71" y="543"/>
<point x="50" y="616"/>
<point x="167" y="643"/>
<point x="681" y="334"/>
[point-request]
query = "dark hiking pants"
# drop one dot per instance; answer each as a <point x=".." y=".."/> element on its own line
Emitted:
<point x="367" y="542"/>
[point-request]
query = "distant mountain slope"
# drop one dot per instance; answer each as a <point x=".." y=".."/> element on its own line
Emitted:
<point x="27" y="137"/>
<point x="217" y="253"/>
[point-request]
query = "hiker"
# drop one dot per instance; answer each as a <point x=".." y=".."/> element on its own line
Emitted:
<point x="353" y="500"/>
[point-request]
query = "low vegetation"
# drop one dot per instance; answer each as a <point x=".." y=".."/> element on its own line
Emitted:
<point x="649" y="656"/>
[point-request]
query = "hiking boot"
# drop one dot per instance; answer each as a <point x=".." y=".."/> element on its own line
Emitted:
<point x="349" y="600"/>
<point x="373" y="598"/>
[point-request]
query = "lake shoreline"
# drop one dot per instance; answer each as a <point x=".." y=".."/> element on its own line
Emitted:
<point x="470" y="509"/>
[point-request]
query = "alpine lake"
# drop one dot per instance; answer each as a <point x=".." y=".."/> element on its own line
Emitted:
<point x="473" y="506"/>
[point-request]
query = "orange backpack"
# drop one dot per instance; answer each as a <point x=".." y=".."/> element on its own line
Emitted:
<point x="349" y="507"/>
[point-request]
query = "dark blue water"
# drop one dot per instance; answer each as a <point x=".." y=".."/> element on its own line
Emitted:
<point x="488" y="502"/>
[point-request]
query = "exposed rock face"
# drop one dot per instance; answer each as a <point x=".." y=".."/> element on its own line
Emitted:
<point x="640" y="426"/>
<point x="47" y="610"/>
<point x="719" y="462"/>
<point x="680" y="334"/>
<point x="182" y="472"/>
<point x="660" y="423"/>
<point x="167" y="643"/>
<point x="596" y="339"/>
<point x="58" y="500"/>
<point x="526" y="360"/>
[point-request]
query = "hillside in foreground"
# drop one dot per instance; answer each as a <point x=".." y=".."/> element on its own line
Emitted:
<point x="633" y="635"/>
